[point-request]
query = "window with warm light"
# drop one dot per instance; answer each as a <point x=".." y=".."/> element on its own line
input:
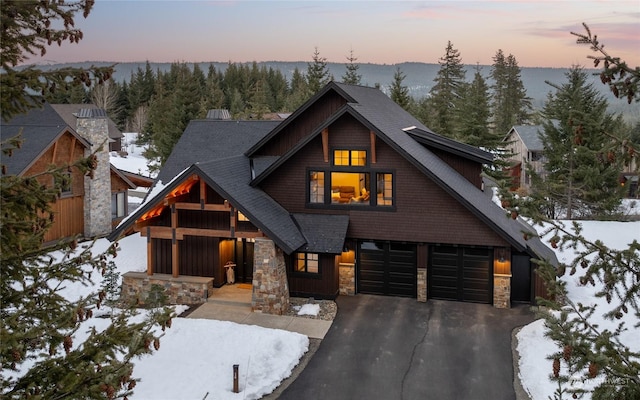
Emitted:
<point x="350" y="157"/>
<point x="385" y="189"/>
<point x="316" y="187"/>
<point x="242" y="217"/>
<point x="306" y="263"/>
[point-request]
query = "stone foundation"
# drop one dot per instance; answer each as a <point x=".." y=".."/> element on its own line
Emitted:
<point x="270" y="287"/>
<point x="501" y="291"/>
<point x="181" y="290"/>
<point x="422" y="285"/>
<point x="347" y="272"/>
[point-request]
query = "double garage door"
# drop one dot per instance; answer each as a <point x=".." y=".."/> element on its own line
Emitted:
<point x="460" y="273"/>
<point x="454" y="273"/>
<point x="387" y="268"/>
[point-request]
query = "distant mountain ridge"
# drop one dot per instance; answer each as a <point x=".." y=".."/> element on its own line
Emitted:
<point x="419" y="77"/>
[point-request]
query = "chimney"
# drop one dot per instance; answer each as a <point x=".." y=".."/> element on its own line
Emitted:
<point x="92" y="125"/>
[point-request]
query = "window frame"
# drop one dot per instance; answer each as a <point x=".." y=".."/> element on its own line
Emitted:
<point x="350" y="157"/>
<point x="114" y="196"/>
<point x="393" y="188"/>
<point x="305" y="273"/>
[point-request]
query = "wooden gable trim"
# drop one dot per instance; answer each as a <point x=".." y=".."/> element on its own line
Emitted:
<point x="65" y="130"/>
<point x="372" y="138"/>
<point x="325" y="144"/>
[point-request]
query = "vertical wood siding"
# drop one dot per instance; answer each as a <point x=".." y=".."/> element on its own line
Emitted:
<point x="326" y="285"/>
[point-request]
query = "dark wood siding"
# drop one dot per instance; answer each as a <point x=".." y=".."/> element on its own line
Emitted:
<point x="471" y="170"/>
<point x="323" y="286"/>
<point x="161" y="253"/>
<point x="198" y="255"/>
<point x="303" y="126"/>
<point x="423" y="211"/>
<point x="204" y="219"/>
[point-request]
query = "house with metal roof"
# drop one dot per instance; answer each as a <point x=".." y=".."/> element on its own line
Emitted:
<point x="350" y="194"/>
<point x="87" y="207"/>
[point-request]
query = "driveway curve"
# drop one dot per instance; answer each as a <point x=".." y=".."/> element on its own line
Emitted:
<point x="396" y="348"/>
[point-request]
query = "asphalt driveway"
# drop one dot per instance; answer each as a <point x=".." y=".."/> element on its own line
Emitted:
<point x="396" y="348"/>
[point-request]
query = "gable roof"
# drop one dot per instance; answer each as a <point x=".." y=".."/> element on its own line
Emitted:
<point x="388" y="120"/>
<point x="530" y="135"/>
<point x="449" y="145"/>
<point x="205" y="140"/>
<point x="70" y="112"/>
<point x="229" y="177"/>
<point x="40" y="128"/>
<point x="122" y="175"/>
<point x="323" y="233"/>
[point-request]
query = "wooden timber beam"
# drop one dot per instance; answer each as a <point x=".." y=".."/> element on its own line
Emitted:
<point x="205" y="207"/>
<point x="203" y="194"/>
<point x="165" y="232"/>
<point x="149" y="253"/>
<point x="175" y="260"/>
<point x="73" y="149"/>
<point x="55" y="152"/>
<point x="325" y="144"/>
<point x="372" y="137"/>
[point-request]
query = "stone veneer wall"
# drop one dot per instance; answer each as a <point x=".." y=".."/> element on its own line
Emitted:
<point x="422" y="285"/>
<point x="347" y="273"/>
<point x="270" y="287"/>
<point x="501" y="291"/>
<point x="181" y="290"/>
<point x="97" y="191"/>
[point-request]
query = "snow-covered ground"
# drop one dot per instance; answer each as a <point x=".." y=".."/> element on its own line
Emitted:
<point x="133" y="161"/>
<point x="196" y="357"/>
<point x="534" y="347"/>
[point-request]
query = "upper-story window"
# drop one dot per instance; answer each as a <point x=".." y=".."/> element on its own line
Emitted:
<point x="316" y="187"/>
<point x="350" y="157"/>
<point x="385" y="189"/>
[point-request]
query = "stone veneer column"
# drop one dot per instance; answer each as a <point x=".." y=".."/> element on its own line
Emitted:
<point x="422" y="285"/>
<point x="347" y="276"/>
<point x="270" y="287"/>
<point x="97" y="191"/>
<point x="501" y="291"/>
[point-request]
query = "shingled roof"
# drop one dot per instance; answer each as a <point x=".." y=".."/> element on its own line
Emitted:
<point x="70" y="112"/>
<point x="398" y="129"/>
<point x="39" y="129"/>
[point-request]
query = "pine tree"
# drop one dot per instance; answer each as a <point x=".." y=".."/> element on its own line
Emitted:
<point x="399" y="92"/>
<point x="317" y="73"/>
<point x="351" y="75"/>
<point x="39" y="357"/>
<point x="475" y="113"/>
<point x="446" y="93"/>
<point x="510" y="106"/>
<point x="580" y="179"/>
<point x="299" y="92"/>
<point x="587" y="352"/>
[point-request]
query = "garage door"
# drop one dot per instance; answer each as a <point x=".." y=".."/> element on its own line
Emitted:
<point x="387" y="268"/>
<point x="460" y="273"/>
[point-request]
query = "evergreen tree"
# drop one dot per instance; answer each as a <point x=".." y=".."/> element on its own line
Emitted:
<point x="278" y="90"/>
<point x="475" y="113"/>
<point x="445" y="95"/>
<point x="589" y="352"/>
<point x="510" y="106"/>
<point x="317" y="73"/>
<point x="351" y="75"/>
<point x="258" y="103"/>
<point x="399" y="92"/>
<point x="39" y="357"/>
<point x="299" y="92"/>
<point x="580" y="179"/>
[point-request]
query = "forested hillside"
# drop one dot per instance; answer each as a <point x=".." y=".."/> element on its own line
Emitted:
<point x="419" y="77"/>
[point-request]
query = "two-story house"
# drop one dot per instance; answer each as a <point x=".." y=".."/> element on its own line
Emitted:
<point x="350" y="194"/>
<point x="84" y="207"/>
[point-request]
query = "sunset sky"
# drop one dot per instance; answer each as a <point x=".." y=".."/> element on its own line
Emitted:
<point x="535" y="32"/>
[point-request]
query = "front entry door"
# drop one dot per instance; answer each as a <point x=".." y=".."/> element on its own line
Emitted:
<point x="244" y="261"/>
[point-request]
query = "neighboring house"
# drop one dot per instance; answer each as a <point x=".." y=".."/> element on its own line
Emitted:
<point x="526" y="147"/>
<point x="70" y="113"/>
<point x="523" y="142"/>
<point x="83" y="207"/>
<point x="350" y="194"/>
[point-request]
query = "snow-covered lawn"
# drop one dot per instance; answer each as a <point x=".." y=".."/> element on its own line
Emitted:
<point x="533" y="347"/>
<point x="196" y="356"/>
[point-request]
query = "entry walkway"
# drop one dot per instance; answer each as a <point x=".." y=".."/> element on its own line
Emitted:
<point x="233" y="303"/>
